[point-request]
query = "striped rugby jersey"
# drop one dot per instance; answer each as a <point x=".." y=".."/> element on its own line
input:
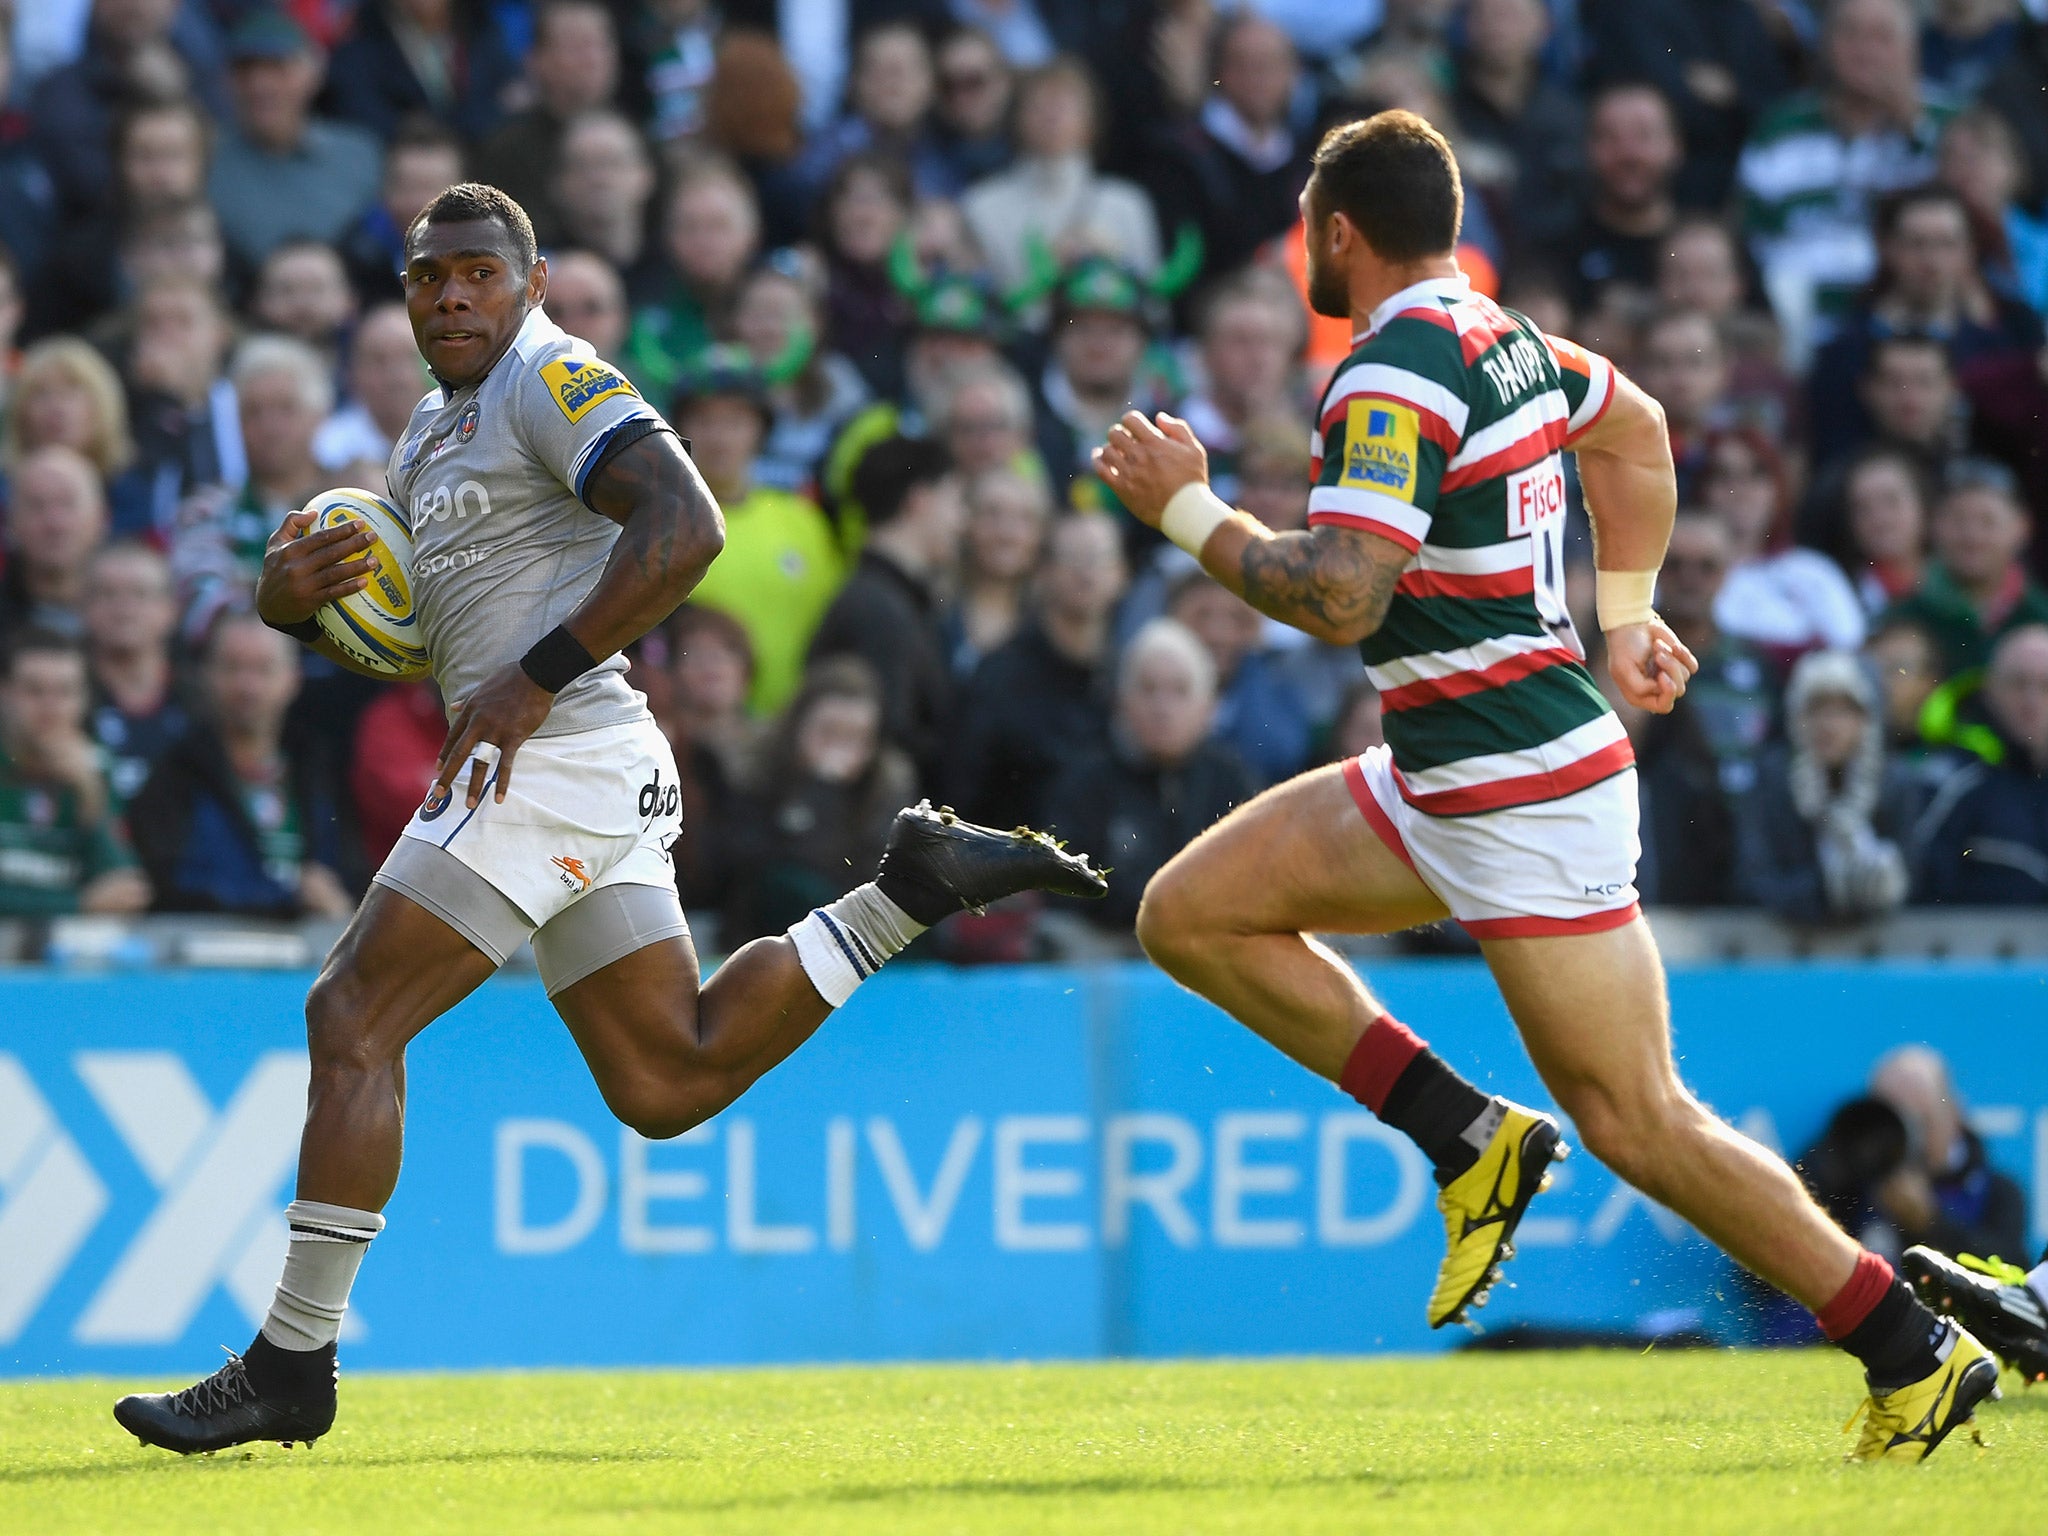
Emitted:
<point x="1444" y="431"/>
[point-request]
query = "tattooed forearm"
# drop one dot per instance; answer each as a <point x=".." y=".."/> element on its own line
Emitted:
<point x="670" y="532"/>
<point x="1335" y="583"/>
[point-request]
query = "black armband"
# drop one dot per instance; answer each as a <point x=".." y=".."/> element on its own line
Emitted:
<point x="306" y="631"/>
<point x="556" y="660"/>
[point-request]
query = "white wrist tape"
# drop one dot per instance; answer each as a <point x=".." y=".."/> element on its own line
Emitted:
<point x="1192" y="515"/>
<point x="1624" y="597"/>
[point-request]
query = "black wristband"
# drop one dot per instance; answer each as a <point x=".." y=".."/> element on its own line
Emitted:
<point x="556" y="660"/>
<point x="306" y="631"/>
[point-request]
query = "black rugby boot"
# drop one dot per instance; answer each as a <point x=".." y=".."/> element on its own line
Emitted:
<point x="289" y="1400"/>
<point x="936" y="865"/>
<point x="1991" y="1299"/>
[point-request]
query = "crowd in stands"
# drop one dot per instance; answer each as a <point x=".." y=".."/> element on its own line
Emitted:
<point x="893" y="267"/>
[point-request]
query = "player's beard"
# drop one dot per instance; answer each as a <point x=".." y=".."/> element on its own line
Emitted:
<point x="1328" y="294"/>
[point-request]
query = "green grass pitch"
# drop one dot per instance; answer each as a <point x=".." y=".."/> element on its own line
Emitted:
<point x="1577" y="1444"/>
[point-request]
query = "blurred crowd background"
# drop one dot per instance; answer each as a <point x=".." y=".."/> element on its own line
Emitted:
<point x="893" y="267"/>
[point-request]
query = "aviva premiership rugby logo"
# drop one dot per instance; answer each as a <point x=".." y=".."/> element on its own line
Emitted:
<point x="580" y="387"/>
<point x="1379" y="447"/>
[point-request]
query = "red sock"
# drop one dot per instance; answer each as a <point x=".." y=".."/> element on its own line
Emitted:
<point x="1382" y="1053"/>
<point x="1865" y="1288"/>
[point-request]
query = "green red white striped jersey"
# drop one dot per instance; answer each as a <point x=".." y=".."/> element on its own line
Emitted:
<point x="1444" y="431"/>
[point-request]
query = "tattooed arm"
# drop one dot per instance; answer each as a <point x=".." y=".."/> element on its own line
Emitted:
<point x="670" y="532"/>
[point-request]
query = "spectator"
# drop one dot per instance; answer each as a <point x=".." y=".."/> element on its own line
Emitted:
<point x="975" y="93"/>
<point x="890" y="99"/>
<point x="1917" y="411"/>
<point x="1819" y="161"/>
<point x="187" y="431"/>
<point x="398" y="742"/>
<point x="302" y="290"/>
<point x="1007" y="516"/>
<point x="862" y="212"/>
<point x="385" y="382"/>
<point x="717" y="744"/>
<point x="1885" y="504"/>
<point x="28" y="197"/>
<point x="60" y="847"/>
<point x="1040" y="701"/>
<point x="444" y="59"/>
<point x="12" y="312"/>
<point x="1257" y="711"/>
<point x="1160" y="778"/>
<point x="56" y="519"/>
<point x="1778" y="596"/>
<point x="1713" y="60"/>
<point x="65" y="396"/>
<point x="1633" y="152"/>
<point x="421" y="161"/>
<point x="278" y="170"/>
<point x="1251" y="337"/>
<point x="1962" y="43"/>
<point x="781" y="564"/>
<point x="1823" y="835"/>
<point x="1986" y="831"/>
<point x="1977" y="588"/>
<point x="1703" y="270"/>
<point x="811" y="391"/>
<point x="830" y="787"/>
<point x="887" y="613"/>
<point x="988" y="424"/>
<point x="1359" y="724"/>
<point x="586" y="299"/>
<point x="1983" y="163"/>
<point x="1928" y="284"/>
<point x="184" y="240"/>
<point x="133" y="53"/>
<point x="138" y="706"/>
<point x="1506" y="103"/>
<point x="710" y="230"/>
<point x="216" y="546"/>
<point x="1052" y="204"/>
<point x="601" y="193"/>
<point x="1684" y="367"/>
<point x="1908" y="667"/>
<point x="752" y="113"/>
<point x="1099" y="337"/>
<point x="1732" y="698"/>
<point x="573" y="68"/>
<point x="1236" y="167"/>
<point x="229" y="821"/>
<point x="159" y="162"/>
<point x="684" y="62"/>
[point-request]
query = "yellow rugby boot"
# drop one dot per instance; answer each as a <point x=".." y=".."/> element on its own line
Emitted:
<point x="1909" y="1422"/>
<point x="1483" y="1205"/>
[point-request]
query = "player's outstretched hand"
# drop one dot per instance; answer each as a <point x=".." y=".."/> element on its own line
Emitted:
<point x="507" y="708"/>
<point x="1146" y="461"/>
<point x="1650" y="665"/>
<point x="302" y="573"/>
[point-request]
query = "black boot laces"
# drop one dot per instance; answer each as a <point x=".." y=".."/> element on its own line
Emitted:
<point x="225" y="1389"/>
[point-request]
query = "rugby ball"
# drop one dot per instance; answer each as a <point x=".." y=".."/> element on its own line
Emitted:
<point x="376" y="628"/>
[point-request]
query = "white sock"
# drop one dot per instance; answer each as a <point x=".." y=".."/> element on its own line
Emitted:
<point x="328" y="1243"/>
<point x="843" y="944"/>
<point x="2037" y="1282"/>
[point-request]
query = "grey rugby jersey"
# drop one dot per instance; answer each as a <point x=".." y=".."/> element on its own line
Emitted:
<point x="503" y="547"/>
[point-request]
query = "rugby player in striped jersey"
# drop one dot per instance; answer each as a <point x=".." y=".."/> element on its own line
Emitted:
<point x="1505" y="796"/>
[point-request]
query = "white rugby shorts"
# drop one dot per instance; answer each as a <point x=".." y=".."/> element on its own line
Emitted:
<point x="583" y="811"/>
<point x="1554" y="867"/>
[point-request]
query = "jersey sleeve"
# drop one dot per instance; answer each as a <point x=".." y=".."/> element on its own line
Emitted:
<point x="569" y="406"/>
<point x="1588" y="380"/>
<point x="1380" y="449"/>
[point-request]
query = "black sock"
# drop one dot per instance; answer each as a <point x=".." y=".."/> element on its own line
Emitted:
<point x="289" y="1375"/>
<point x="1900" y="1341"/>
<point x="1434" y="1107"/>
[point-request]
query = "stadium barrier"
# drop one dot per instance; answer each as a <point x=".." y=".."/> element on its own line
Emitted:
<point x="1041" y="1161"/>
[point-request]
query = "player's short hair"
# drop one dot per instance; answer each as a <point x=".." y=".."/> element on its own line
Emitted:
<point x="1395" y="178"/>
<point x="474" y="201"/>
<point x="892" y="469"/>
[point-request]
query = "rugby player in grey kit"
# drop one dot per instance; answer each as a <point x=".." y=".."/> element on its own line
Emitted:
<point x="556" y="519"/>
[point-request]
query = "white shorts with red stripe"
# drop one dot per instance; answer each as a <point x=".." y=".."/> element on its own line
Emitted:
<point x="1553" y="867"/>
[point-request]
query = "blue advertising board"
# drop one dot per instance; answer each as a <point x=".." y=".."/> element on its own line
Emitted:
<point x="1042" y="1161"/>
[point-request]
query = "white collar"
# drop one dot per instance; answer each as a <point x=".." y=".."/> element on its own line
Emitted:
<point x="1415" y="295"/>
